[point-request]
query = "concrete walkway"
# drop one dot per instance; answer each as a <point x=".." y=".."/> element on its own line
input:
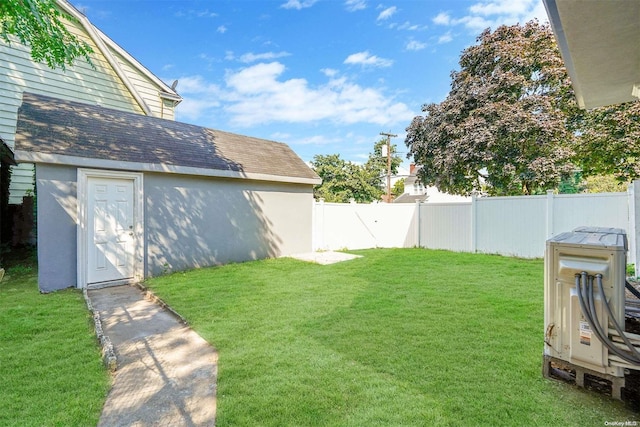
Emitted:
<point x="166" y="373"/>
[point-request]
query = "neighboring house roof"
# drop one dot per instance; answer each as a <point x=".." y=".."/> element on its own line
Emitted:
<point x="107" y="47"/>
<point x="50" y="130"/>
<point x="427" y="194"/>
<point x="599" y="44"/>
<point x="409" y="198"/>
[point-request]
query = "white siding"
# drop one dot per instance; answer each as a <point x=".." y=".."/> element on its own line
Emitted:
<point x="147" y="89"/>
<point x="79" y="82"/>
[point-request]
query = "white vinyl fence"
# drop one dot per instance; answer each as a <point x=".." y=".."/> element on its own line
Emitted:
<point x="515" y="226"/>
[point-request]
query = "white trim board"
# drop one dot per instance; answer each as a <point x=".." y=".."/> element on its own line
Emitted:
<point x="62" y="159"/>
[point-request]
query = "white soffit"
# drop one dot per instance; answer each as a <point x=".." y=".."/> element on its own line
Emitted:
<point x="600" y="45"/>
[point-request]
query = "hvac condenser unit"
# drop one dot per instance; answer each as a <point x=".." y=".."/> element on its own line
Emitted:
<point x="584" y="308"/>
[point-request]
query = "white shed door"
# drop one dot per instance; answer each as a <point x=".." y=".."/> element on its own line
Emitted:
<point x="110" y="230"/>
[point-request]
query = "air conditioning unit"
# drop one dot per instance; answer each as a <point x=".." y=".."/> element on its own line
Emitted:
<point x="584" y="310"/>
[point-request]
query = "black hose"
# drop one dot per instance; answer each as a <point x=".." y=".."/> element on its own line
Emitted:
<point x="602" y="333"/>
<point x="631" y="289"/>
<point x="635" y="355"/>
<point x="592" y="318"/>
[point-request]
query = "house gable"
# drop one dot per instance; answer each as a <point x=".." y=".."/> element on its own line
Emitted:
<point x="116" y="81"/>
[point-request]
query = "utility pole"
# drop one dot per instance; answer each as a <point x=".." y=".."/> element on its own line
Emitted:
<point x="389" y="136"/>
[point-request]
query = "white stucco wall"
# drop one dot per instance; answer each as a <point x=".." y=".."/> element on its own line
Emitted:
<point x="194" y="221"/>
<point x="189" y="222"/>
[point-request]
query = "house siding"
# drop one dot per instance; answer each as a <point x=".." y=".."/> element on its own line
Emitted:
<point x="79" y="82"/>
<point x="147" y="89"/>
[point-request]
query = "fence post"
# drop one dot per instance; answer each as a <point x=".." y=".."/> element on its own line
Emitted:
<point x="474" y="223"/>
<point x="318" y="209"/>
<point x="417" y="225"/>
<point x="634" y="224"/>
<point x="549" y="221"/>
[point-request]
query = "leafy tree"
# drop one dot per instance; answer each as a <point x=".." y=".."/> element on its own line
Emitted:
<point x="377" y="166"/>
<point x="343" y="180"/>
<point x="508" y="123"/>
<point x="610" y="142"/>
<point x="38" y="24"/>
<point x="572" y="183"/>
<point x="604" y="184"/>
<point x="378" y="162"/>
<point x="398" y="188"/>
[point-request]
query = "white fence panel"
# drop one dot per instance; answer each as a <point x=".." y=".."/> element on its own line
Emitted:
<point x="597" y="210"/>
<point x="514" y="226"/>
<point x="511" y="225"/>
<point x="446" y="226"/>
<point x="360" y="226"/>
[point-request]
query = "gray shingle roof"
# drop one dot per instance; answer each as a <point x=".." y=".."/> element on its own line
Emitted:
<point x="53" y="126"/>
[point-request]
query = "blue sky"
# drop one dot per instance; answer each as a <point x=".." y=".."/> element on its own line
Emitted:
<point x="323" y="76"/>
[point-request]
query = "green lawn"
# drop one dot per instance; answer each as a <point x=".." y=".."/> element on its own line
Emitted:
<point x="50" y="368"/>
<point x="399" y="337"/>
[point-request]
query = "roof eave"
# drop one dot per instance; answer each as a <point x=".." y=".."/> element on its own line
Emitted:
<point x="22" y="156"/>
<point x="171" y="97"/>
<point x="598" y="43"/>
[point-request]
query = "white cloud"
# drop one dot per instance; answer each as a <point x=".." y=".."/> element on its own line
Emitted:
<point x="493" y="13"/>
<point x="280" y="136"/>
<point x="477" y="23"/>
<point x="198" y="96"/>
<point x="221" y="29"/>
<point x="259" y="78"/>
<point x="259" y="95"/>
<point x="191" y="13"/>
<point x="415" y="45"/>
<point x="253" y="57"/>
<point x="387" y="13"/>
<point x="408" y="26"/>
<point x="354" y="5"/>
<point x="366" y="59"/>
<point x="256" y="95"/>
<point x="329" y="72"/>
<point x="500" y="7"/>
<point x="442" y="19"/>
<point x="298" y="4"/>
<point x="206" y="14"/>
<point x="317" y="140"/>
<point x="445" y="38"/>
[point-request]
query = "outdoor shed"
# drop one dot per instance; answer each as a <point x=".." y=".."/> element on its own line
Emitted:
<point x="122" y="196"/>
